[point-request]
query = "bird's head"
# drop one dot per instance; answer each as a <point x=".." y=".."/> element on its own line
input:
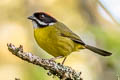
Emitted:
<point x="41" y="19"/>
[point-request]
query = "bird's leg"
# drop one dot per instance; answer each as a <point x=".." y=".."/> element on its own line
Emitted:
<point x="64" y="60"/>
<point x="53" y="59"/>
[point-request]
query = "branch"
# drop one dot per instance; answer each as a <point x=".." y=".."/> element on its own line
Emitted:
<point x="56" y="69"/>
<point x="108" y="12"/>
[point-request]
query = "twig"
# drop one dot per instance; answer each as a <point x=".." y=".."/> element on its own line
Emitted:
<point x="107" y="11"/>
<point x="56" y="69"/>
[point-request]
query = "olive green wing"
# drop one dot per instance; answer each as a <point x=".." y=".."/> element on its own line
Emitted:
<point x="66" y="32"/>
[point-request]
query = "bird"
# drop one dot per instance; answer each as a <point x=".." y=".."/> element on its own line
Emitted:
<point x="56" y="38"/>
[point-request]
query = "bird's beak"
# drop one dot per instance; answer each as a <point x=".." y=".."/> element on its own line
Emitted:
<point x="31" y="17"/>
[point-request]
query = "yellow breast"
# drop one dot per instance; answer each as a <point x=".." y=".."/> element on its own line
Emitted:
<point x="49" y="39"/>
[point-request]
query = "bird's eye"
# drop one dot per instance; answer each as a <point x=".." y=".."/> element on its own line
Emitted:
<point x="42" y="16"/>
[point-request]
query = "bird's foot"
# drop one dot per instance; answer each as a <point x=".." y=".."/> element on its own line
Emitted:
<point x="53" y="59"/>
<point x="64" y="60"/>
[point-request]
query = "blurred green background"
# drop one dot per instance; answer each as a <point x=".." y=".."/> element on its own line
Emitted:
<point x="97" y="23"/>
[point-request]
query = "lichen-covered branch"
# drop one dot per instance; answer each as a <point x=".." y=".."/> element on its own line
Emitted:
<point x="56" y="69"/>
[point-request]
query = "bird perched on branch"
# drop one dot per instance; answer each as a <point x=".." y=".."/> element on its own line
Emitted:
<point x="56" y="38"/>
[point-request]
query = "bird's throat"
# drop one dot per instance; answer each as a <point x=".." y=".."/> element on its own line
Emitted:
<point x="34" y="24"/>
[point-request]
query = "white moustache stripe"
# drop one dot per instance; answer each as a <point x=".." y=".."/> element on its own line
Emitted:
<point x="43" y="23"/>
<point x="51" y="24"/>
<point x="40" y="22"/>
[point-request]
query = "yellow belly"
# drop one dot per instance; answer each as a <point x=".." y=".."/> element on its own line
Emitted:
<point x="49" y="39"/>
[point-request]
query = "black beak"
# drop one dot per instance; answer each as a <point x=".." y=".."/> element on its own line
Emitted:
<point x="31" y="17"/>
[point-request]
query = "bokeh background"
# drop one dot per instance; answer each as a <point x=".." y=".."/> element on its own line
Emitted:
<point x="96" y="21"/>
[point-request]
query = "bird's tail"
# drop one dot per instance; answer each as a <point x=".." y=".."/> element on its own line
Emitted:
<point x="99" y="51"/>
